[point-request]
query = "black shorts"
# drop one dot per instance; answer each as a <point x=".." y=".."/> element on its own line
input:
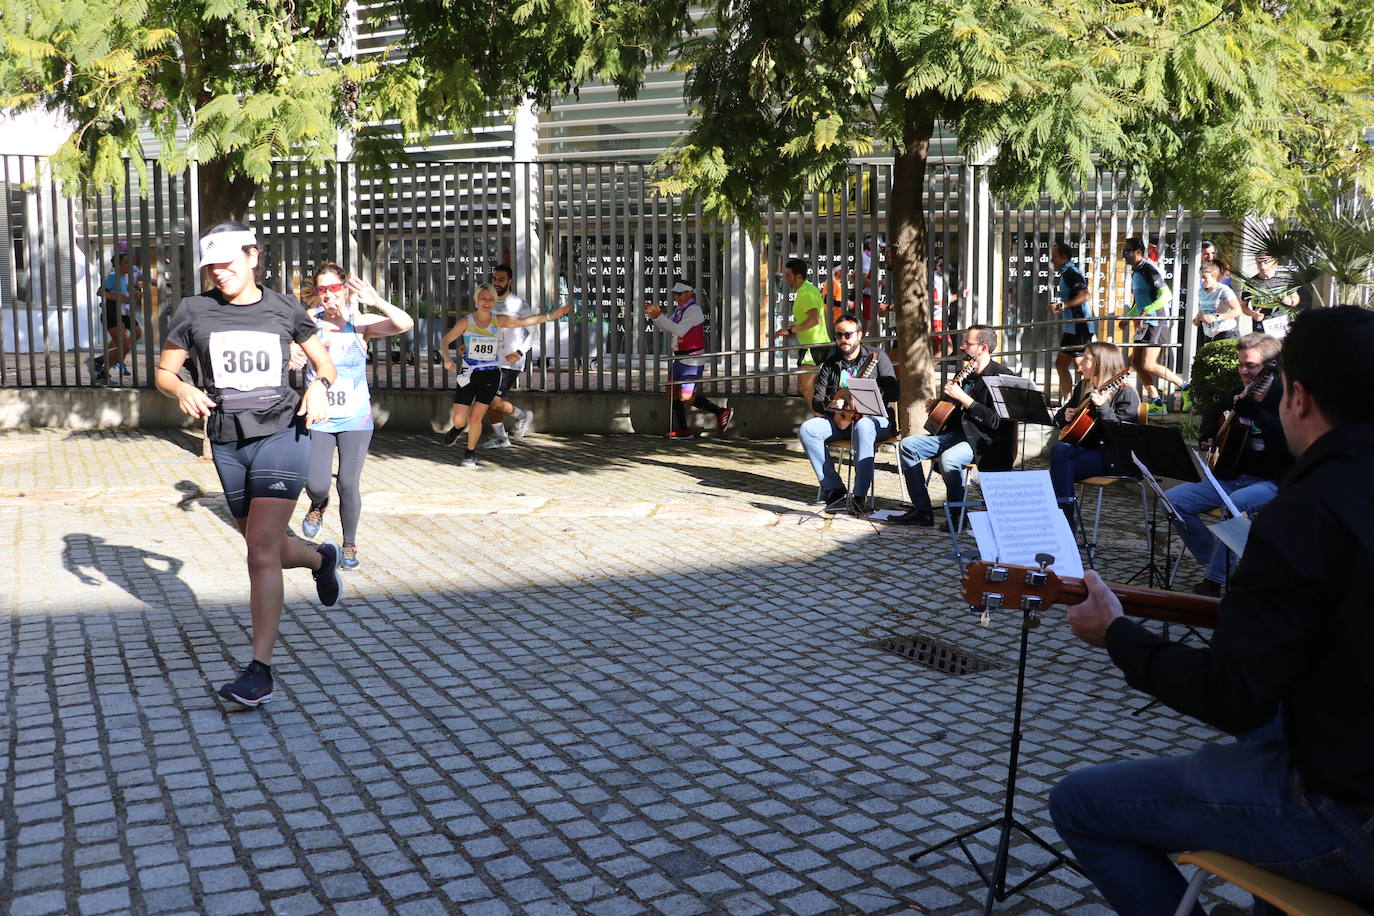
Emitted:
<point x="1153" y="335"/>
<point x="274" y="466"/>
<point x="819" y="354"/>
<point x="508" y="379"/>
<point x="482" y="388"/>
<point x="1075" y="339"/>
<point x="115" y="316"/>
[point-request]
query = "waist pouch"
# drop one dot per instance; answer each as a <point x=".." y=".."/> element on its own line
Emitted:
<point x="259" y="399"/>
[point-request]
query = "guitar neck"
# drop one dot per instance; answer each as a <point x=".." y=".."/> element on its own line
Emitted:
<point x="1151" y="603"/>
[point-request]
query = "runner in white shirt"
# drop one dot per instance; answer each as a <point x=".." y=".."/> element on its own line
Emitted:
<point x="514" y="350"/>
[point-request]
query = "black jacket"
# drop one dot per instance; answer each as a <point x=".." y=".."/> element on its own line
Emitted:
<point x="992" y="438"/>
<point x="1266" y="455"/>
<point x="1296" y="631"/>
<point x="828" y="379"/>
<point x="1124" y="407"/>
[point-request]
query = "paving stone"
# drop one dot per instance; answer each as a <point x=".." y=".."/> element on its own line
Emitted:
<point x="552" y="728"/>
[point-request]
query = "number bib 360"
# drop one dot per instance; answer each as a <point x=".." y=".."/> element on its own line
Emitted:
<point x="245" y="359"/>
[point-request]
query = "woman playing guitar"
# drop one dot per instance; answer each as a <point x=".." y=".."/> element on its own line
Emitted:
<point x="1102" y="396"/>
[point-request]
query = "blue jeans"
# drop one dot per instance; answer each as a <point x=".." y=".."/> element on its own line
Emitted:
<point x="1192" y="499"/>
<point x="864" y="433"/>
<point x="1242" y="798"/>
<point x="1069" y="463"/>
<point x="951" y="454"/>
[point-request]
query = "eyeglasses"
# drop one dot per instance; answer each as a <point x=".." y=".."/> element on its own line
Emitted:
<point x="848" y="334"/>
<point x="1125" y="252"/>
<point x="329" y="287"/>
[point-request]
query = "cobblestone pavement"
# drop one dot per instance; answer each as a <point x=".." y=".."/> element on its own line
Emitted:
<point x="596" y="675"/>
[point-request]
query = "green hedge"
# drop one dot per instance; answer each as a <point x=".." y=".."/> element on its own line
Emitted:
<point x="1214" y="373"/>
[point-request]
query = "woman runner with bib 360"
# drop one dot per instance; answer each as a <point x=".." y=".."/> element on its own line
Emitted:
<point x="348" y="427"/>
<point x="258" y="426"/>
<point x="480" y="379"/>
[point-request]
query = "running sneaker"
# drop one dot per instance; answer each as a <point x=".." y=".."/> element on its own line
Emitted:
<point x="350" y="558"/>
<point x="314" y="520"/>
<point x="1157" y="408"/>
<point x="522" y="425"/>
<point x="328" y="582"/>
<point x="123" y="370"/>
<point x="1185" y="397"/>
<point x="469" y="459"/>
<point x="97" y="366"/>
<point x="254" y="685"/>
<point x="723" y="421"/>
<point x="452" y="436"/>
<point x="679" y="434"/>
<point x="493" y="442"/>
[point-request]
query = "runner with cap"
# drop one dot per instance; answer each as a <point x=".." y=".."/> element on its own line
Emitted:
<point x="241" y="334"/>
<point x="687" y="323"/>
<point x="122" y="287"/>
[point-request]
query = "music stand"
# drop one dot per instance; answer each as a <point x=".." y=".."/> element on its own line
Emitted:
<point x="1160" y="448"/>
<point x="1007" y="822"/>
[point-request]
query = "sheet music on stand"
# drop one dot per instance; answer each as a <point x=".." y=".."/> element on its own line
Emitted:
<point x="1023" y="519"/>
<point x="865" y="397"/>
<point x="1153" y="482"/>
<point x="1017" y="398"/>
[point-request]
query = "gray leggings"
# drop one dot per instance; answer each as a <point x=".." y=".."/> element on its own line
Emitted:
<point x="352" y="446"/>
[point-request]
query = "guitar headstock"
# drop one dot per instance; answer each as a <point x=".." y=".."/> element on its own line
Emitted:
<point x="993" y="586"/>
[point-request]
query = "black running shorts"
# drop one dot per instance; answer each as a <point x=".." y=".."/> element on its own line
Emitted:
<point x="274" y="466"/>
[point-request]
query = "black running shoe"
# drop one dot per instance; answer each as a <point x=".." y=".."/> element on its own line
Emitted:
<point x="254" y="685"/>
<point x="451" y="437"/>
<point x="328" y="582"/>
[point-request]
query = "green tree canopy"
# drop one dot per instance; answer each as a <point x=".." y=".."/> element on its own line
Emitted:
<point x="232" y="84"/>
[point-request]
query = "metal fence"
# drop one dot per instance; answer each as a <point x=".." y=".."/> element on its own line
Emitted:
<point x="592" y="235"/>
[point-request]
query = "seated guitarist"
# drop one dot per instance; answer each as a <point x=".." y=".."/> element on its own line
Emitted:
<point x="1262" y="464"/>
<point x="1288" y="670"/>
<point x="1098" y="364"/>
<point x="974" y="429"/>
<point x="847" y="360"/>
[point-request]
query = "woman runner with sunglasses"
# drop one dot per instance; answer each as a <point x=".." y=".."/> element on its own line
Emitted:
<point x="348" y="426"/>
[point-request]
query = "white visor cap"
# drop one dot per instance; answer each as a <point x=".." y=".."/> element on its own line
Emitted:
<point x="680" y="287"/>
<point x="223" y="247"/>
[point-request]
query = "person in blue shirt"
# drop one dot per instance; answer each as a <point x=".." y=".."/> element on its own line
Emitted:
<point x="1071" y="302"/>
<point x="1151" y="310"/>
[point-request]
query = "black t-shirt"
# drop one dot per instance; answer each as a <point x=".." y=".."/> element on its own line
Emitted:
<point x="243" y="351"/>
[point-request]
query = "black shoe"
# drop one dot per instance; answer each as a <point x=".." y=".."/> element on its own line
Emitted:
<point x="826" y="497"/>
<point x="451" y="437"/>
<point x="1207" y="588"/>
<point x="328" y="582"/>
<point x="863" y="507"/>
<point x="925" y="518"/>
<point x="253" y="686"/>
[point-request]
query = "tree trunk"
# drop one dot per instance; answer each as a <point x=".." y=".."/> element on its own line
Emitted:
<point x="908" y="255"/>
<point x="222" y="197"/>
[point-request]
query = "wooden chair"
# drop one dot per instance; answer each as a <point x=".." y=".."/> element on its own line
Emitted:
<point x="1292" y="897"/>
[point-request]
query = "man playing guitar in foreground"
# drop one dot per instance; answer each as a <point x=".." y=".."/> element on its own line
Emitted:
<point x="1263" y="460"/>
<point x="847" y="360"/>
<point x="1288" y="670"/>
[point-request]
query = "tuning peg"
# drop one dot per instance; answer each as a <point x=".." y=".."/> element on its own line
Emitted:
<point x="1045" y="560"/>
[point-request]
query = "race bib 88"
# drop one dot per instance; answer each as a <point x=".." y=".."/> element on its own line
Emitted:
<point x="245" y="359"/>
<point x="344" y="399"/>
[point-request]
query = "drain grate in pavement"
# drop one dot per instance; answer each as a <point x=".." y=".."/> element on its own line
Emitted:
<point x="934" y="654"/>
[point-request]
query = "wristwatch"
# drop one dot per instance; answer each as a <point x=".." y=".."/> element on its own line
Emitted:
<point x="324" y="381"/>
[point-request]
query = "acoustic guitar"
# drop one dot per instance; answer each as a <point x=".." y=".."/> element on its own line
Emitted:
<point x="939" y="414"/>
<point x="1232" y="437"/>
<point x="992" y="586"/>
<point x="1085" y="419"/>
<point x="843" y="401"/>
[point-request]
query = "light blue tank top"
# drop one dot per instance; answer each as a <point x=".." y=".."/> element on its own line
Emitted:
<point x="350" y="402"/>
<point x="481" y="346"/>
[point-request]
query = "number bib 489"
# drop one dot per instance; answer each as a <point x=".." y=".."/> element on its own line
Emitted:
<point x="245" y="359"/>
<point x="482" y="349"/>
